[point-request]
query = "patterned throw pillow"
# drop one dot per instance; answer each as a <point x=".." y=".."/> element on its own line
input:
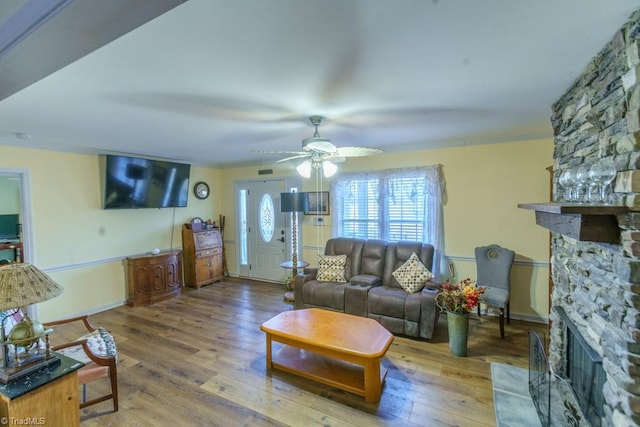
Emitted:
<point x="331" y="268"/>
<point x="412" y="274"/>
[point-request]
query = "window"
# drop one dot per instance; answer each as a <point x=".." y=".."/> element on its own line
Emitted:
<point x="266" y="218"/>
<point x="394" y="204"/>
<point x="244" y="229"/>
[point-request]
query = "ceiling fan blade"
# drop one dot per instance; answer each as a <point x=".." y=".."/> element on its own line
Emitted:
<point x="319" y="144"/>
<point x="293" y="157"/>
<point x="357" y="151"/>
<point x="279" y="152"/>
<point x="336" y="159"/>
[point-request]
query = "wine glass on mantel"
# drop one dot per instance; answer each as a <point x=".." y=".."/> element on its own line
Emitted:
<point x="567" y="182"/>
<point x="603" y="172"/>
<point x="583" y="184"/>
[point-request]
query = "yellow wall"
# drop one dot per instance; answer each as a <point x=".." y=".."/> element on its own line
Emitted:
<point x="82" y="246"/>
<point x="484" y="184"/>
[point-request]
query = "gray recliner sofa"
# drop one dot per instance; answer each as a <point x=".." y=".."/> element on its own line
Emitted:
<point x="370" y="289"/>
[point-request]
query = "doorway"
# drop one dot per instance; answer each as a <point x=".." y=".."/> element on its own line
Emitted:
<point x="15" y="199"/>
<point x="264" y="233"/>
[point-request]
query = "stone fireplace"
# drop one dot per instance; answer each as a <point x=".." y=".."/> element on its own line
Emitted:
<point x="596" y="293"/>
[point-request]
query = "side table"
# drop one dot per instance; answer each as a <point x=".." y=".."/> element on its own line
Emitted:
<point x="48" y="396"/>
<point x="290" y="296"/>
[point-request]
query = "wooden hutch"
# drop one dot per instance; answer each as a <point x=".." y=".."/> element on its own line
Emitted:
<point x="202" y="256"/>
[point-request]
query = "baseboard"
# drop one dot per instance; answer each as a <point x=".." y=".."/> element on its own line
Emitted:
<point x="515" y="316"/>
<point x="98" y="309"/>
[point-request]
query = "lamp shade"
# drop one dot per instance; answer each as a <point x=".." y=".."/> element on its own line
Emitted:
<point x="293" y="202"/>
<point x="329" y="169"/>
<point x="24" y="284"/>
<point x="304" y="169"/>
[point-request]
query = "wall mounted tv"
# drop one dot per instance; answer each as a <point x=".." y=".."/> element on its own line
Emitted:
<point x="132" y="183"/>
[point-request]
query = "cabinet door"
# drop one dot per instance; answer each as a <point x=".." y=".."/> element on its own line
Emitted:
<point x="216" y="265"/>
<point x="158" y="282"/>
<point x="173" y="275"/>
<point x="203" y="269"/>
<point x="141" y="275"/>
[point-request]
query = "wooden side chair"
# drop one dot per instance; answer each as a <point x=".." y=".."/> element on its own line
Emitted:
<point x="97" y="350"/>
<point x="493" y="264"/>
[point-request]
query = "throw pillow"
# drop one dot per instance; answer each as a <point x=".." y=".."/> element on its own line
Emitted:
<point x="412" y="274"/>
<point x="331" y="268"/>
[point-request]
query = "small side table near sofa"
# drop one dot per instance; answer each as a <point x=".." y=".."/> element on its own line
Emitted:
<point x="289" y="296"/>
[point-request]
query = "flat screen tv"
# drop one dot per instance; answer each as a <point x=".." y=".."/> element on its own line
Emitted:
<point x="132" y="183"/>
<point x="9" y="227"/>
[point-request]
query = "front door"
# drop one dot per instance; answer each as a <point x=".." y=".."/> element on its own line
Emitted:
<point x="266" y="230"/>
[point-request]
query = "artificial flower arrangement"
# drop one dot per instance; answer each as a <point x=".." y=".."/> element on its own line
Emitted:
<point x="459" y="298"/>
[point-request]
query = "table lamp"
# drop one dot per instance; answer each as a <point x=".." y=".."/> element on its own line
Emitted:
<point x="22" y="285"/>
<point x="293" y="202"/>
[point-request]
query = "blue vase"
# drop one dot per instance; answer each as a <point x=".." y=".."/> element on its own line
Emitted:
<point x="458" y="326"/>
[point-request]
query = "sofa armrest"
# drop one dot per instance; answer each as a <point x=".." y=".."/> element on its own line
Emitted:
<point x="301" y="279"/>
<point x="310" y="271"/>
<point x="432" y="286"/>
<point x="430" y="311"/>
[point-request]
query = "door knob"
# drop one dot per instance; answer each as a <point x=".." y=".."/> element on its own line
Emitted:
<point x="281" y="239"/>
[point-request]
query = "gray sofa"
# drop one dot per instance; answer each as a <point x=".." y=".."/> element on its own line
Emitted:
<point x="370" y="289"/>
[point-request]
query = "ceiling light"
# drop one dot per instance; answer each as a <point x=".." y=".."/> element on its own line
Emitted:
<point x="329" y="169"/>
<point x="304" y="169"/>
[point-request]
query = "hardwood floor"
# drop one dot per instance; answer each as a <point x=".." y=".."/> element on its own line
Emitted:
<point x="199" y="359"/>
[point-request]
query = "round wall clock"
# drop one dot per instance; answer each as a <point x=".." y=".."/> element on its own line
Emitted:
<point x="201" y="190"/>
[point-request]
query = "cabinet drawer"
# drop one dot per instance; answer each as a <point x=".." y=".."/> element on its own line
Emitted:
<point x="207" y="239"/>
<point x="207" y="253"/>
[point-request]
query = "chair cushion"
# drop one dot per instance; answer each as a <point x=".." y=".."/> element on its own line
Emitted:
<point x="494" y="296"/>
<point x="412" y="274"/>
<point x="331" y="268"/>
<point x="100" y="343"/>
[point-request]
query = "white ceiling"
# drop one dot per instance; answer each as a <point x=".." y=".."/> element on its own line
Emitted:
<point x="211" y="81"/>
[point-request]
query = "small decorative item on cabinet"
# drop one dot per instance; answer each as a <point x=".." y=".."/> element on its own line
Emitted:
<point x="196" y="224"/>
<point x="202" y="256"/>
<point x="153" y="278"/>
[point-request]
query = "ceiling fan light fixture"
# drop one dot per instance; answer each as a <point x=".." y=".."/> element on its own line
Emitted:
<point x="329" y="169"/>
<point x="304" y="169"/>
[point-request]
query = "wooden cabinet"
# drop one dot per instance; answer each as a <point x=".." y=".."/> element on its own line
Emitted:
<point x="202" y="256"/>
<point x="47" y="397"/>
<point x="153" y="278"/>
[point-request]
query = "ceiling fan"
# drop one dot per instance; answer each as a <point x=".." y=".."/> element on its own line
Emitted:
<point x="320" y="153"/>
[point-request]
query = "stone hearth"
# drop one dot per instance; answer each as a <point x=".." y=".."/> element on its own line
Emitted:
<point x="598" y="284"/>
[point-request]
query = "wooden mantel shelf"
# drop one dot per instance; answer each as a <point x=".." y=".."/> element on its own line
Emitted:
<point x="592" y="223"/>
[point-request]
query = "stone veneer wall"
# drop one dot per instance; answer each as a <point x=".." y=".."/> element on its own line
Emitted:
<point x="597" y="284"/>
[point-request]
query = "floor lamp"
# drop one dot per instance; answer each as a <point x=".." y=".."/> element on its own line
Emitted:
<point x="294" y="203"/>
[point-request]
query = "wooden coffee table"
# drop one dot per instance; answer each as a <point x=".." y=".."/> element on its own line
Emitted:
<point x="337" y="349"/>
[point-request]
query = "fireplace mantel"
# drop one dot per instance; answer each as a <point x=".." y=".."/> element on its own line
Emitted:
<point x="587" y="223"/>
